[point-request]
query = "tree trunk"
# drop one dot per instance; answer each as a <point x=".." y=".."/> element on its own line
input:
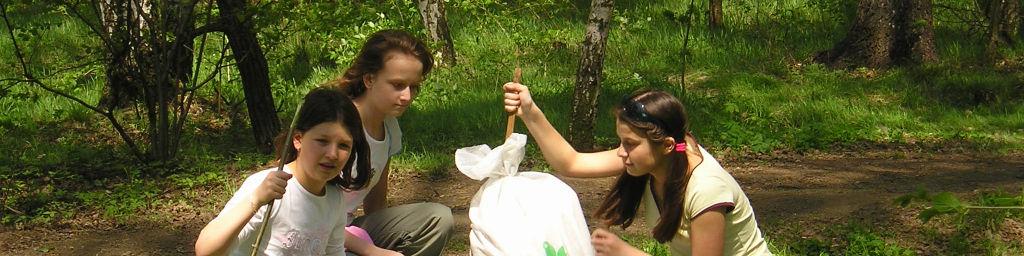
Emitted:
<point x="886" y="32"/>
<point x="915" y="42"/>
<point x="1003" y="18"/>
<point x="715" y="14"/>
<point x="432" y="12"/>
<point x="180" y="69"/>
<point x="588" y="76"/>
<point x="120" y="91"/>
<point x="167" y="65"/>
<point x="252" y="67"/>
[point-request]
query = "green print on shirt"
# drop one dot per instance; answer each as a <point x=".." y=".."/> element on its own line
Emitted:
<point x="550" y="250"/>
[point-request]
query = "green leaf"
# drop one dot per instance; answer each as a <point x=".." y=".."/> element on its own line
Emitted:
<point x="1005" y="201"/>
<point x="919" y="194"/>
<point x="731" y="108"/>
<point x="927" y="214"/>
<point x="904" y="200"/>
<point x="945" y="202"/>
<point x="561" y="251"/>
<point x="942" y="203"/>
<point x="549" y="250"/>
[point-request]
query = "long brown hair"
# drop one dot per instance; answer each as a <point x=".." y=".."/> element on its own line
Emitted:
<point x="659" y="115"/>
<point x="372" y="56"/>
<point x="324" y="105"/>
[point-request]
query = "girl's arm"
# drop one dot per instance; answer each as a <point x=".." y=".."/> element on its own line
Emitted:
<point x="557" y="151"/>
<point x="707" y="232"/>
<point x="216" y="238"/>
<point x="377" y="199"/>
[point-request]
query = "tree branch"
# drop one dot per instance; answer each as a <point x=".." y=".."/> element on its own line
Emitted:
<point x="216" y="70"/>
<point x="103" y="36"/>
<point x="80" y="65"/>
<point x="209" y="28"/>
<point x="31" y="79"/>
<point x="15" y="80"/>
<point x="142" y="12"/>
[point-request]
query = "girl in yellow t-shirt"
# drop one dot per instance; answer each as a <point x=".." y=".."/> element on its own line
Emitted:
<point x="694" y="204"/>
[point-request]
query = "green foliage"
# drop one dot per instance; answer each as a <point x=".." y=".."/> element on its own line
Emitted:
<point x="862" y="242"/>
<point x="806" y="246"/>
<point x="849" y="239"/>
<point x="945" y="203"/>
<point x="974" y="225"/>
<point x="646" y="244"/>
<point x="328" y="33"/>
<point x="123" y="200"/>
<point x="190" y="181"/>
<point x="550" y="250"/>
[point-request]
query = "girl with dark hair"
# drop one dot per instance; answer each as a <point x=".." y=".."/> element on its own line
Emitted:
<point x="693" y="203"/>
<point x="383" y="81"/>
<point x="327" y="154"/>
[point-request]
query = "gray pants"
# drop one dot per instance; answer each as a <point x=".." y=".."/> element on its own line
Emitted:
<point x="412" y="229"/>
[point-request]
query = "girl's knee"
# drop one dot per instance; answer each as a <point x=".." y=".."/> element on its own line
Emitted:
<point x="440" y="213"/>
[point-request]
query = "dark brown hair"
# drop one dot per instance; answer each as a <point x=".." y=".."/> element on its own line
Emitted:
<point x="658" y="115"/>
<point x="372" y="56"/>
<point x="324" y="105"/>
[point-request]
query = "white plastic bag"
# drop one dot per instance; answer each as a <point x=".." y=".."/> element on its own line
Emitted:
<point x="528" y="213"/>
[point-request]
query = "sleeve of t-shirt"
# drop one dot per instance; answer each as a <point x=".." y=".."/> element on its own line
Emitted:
<point x="708" y="194"/>
<point x="395" y="132"/>
<point x="336" y="244"/>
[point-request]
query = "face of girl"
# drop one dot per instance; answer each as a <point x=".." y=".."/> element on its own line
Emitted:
<point x="323" y="150"/>
<point x="638" y="153"/>
<point x="392" y="89"/>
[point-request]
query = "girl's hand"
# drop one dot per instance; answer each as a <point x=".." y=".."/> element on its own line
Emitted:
<point x="607" y="243"/>
<point x="517" y="98"/>
<point x="271" y="188"/>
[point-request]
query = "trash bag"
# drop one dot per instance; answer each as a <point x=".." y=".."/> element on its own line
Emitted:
<point x="520" y="213"/>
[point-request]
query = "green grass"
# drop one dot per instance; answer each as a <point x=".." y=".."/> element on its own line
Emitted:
<point x="646" y="244"/>
<point x="841" y="239"/>
<point x="852" y="240"/>
<point x="749" y="87"/>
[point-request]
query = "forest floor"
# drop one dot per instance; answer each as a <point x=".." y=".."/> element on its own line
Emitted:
<point x="795" y="197"/>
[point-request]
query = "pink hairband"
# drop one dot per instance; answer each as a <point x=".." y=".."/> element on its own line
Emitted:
<point x="681" y="147"/>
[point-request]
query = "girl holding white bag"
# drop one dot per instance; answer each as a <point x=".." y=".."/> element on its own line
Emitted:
<point x="693" y="204"/>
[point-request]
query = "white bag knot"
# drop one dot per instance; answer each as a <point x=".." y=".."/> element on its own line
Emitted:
<point x="480" y="161"/>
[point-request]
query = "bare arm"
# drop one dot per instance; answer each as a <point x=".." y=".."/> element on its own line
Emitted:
<point x="217" y="237"/>
<point x="377" y="199"/>
<point x="708" y="232"/>
<point x="557" y="151"/>
<point x="219" y="234"/>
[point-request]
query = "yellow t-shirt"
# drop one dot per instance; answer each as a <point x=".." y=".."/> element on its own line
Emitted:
<point x="711" y="186"/>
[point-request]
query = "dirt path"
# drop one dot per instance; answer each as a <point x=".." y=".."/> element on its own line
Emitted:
<point x="798" y="196"/>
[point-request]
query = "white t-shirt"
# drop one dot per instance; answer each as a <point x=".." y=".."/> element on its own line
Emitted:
<point x="711" y="186"/>
<point x="301" y="223"/>
<point x="380" y="152"/>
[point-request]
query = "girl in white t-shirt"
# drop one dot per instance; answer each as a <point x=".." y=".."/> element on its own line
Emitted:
<point x="692" y="203"/>
<point x="308" y="219"/>
<point x="383" y="80"/>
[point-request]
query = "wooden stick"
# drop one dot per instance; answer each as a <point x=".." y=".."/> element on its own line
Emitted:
<point x="280" y="168"/>
<point x="511" y="124"/>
